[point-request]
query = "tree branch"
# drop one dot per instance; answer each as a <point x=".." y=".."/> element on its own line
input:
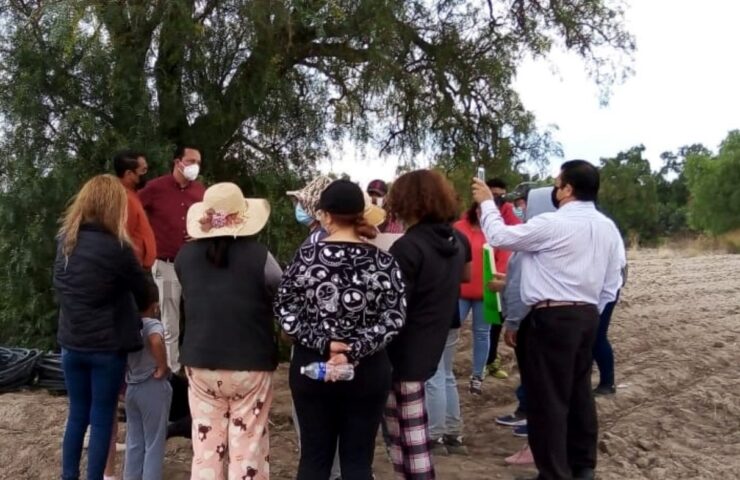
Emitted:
<point x="168" y="71"/>
<point x="207" y="10"/>
<point x="340" y="51"/>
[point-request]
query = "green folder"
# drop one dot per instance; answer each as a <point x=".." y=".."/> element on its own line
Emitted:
<point x="491" y="300"/>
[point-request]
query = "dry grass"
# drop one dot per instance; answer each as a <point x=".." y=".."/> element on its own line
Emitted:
<point x="692" y="246"/>
<point x="731" y="241"/>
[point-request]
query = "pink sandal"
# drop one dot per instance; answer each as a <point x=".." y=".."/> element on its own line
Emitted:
<point x="522" y="457"/>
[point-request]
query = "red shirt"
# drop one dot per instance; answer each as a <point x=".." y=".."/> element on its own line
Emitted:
<point x="167" y="204"/>
<point x="502" y="256"/>
<point x="140" y="231"/>
<point x="473" y="290"/>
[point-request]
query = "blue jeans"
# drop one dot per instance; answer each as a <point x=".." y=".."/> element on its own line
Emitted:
<point x="603" y="353"/>
<point x="481" y="333"/>
<point x="521" y="395"/>
<point x="93" y="380"/>
<point x="442" y="399"/>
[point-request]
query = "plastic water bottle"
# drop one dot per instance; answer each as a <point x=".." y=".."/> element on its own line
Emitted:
<point x="325" y="372"/>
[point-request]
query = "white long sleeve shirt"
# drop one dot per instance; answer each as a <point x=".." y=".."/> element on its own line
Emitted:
<point x="575" y="254"/>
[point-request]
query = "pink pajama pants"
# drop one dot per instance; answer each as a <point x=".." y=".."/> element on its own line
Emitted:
<point x="230" y="411"/>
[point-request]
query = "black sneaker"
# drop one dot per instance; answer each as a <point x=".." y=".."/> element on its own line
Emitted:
<point x="603" y="390"/>
<point x="476" y="385"/>
<point x="454" y="444"/>
<point x="584" y="474"/>
<point x="515" y="419"/>
<point x="437" y="447"/>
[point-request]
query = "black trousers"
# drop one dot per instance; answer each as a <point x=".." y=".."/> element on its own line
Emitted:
<point x="180" y="420"/>
<point x="561" y="414"/>
<point x="495" y="336"/>
<point x="344" y="412"/>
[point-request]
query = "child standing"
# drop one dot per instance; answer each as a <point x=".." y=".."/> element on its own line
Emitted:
<point x="148" y="398"/>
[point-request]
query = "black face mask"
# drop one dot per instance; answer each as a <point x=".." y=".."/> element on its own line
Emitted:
<point x="142" y="182"/>
<point x="554" y="197"/>
<point x="498" y="200"/>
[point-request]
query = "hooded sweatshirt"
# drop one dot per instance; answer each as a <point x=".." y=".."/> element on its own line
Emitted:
<point x="431" y="259"/>
<point x="513" y="308"/>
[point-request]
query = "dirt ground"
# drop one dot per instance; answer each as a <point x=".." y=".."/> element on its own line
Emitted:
<point x="676" y="414"/>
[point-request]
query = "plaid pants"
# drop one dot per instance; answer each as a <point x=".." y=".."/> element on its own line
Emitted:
<point x="406" y="420"/>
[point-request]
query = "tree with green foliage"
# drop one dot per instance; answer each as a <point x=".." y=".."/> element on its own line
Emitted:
<point x="264" y="88"/>
<point x="628" y="194"/>
<point x="714" y="205"/>
<point x="672" y="190"/>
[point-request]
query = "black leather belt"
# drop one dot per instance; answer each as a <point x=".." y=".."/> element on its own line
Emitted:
<point x="555" y="303"/>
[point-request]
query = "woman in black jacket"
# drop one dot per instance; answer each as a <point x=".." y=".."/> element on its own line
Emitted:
<point x="98" y="282"/>
<point x="431" y="258"/>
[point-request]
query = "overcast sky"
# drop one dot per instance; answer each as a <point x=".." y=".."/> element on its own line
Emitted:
<point x="686" y="89"/>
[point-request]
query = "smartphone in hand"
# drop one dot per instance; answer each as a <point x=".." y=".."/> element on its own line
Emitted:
<point x="481" y="173"/>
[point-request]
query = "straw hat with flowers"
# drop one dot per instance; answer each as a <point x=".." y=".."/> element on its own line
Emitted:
<point x="224" y="212"/>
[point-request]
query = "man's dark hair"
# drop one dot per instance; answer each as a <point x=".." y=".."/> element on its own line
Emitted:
<point x="496" y="183"/>
<point x="583" y="177"/>
<point x="126" y="160"/>
<point x="180" y="150"/>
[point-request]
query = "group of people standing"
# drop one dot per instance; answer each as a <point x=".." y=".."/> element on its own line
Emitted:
<point x="114" y="279"/>
<point x="131" y="253"/>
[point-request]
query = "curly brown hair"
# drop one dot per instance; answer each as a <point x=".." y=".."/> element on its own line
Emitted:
<point x="423" y="196"/>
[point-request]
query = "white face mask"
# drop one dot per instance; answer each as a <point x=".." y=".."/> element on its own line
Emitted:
<point x="191" y="171"/>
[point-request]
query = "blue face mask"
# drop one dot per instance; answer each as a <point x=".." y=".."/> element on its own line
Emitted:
<point x="301" y="216"/>
<point x="519" y="212"/>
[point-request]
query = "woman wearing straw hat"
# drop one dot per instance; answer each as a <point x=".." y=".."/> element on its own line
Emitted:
<point x="341" y="300"/>
<point x="229" y="351"/>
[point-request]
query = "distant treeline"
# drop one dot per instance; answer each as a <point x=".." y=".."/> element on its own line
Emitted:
<point x="695" y="190"/>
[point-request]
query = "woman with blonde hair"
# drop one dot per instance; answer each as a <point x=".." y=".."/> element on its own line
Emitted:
<point x="98" y="282"/>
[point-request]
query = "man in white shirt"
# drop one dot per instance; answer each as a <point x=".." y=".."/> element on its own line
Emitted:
<point x="570" y="271"/>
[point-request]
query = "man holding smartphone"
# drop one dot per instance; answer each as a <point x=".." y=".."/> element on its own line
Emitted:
<point x="571" y="268"/>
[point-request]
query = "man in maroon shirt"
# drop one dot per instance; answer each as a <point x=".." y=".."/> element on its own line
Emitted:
<point x="166" y="200"/>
